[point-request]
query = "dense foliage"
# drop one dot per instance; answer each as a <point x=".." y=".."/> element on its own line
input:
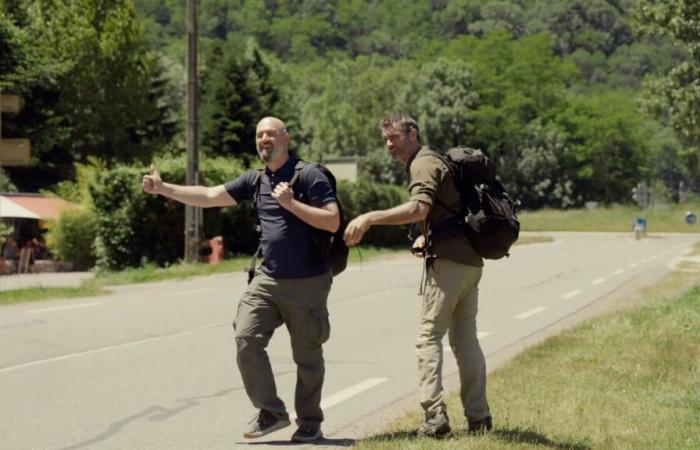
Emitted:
<point x="550" y="90"/>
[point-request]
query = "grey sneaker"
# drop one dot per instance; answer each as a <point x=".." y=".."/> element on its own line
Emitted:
<point x="264" y="423"/>
<point x="480" y="426"/>
<point x="307" y="433"/>
<point x="436" y="426"/>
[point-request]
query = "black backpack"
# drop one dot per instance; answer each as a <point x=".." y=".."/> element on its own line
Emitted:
<point x="487" y="213"/>
<point x="324" y="242"/>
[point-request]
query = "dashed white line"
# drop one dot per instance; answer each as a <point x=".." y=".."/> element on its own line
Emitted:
<point x="571" y="294"/>
<point x="347" y="393"/>
<point x="618" y="271"/>
<point x="599" y="280"/>
<point x="479" y="335"/>
<point x="531" y="312"/>
<point x="61" y="308"/>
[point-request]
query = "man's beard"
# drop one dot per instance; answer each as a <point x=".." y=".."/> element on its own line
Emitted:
<point x="269" y="155"/>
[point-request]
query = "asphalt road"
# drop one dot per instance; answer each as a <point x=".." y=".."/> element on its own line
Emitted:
<point x="153" y="366"/>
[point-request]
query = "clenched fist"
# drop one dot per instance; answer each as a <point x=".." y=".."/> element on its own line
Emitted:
<point x="283" y="194"/>
<point x="152" y="183"/>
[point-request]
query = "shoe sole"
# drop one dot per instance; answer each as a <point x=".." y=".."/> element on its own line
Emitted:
<point x="298" y="439"/>
<point x="278" y="426"/>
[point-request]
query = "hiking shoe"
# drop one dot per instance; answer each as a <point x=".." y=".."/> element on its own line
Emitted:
<point x="264" y="423"/>
<point x="480" y="426"/>
<point x="307" y="433"/>
<point x="436" y="426"/>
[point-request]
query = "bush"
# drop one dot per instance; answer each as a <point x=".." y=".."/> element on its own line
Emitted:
<point x="72" y="236"/>
<point x="134" y="228"/>
<point x="363" y="196"/>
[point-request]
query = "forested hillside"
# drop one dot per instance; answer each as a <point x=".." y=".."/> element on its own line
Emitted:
<point x="573" y="99"/>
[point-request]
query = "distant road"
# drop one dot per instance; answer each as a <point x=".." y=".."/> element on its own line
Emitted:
<point x="152" y="366"/>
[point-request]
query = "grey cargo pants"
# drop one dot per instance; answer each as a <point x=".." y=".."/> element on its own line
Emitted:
<point x="300" y="304"/>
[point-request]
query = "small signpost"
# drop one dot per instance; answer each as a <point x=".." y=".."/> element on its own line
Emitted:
<point x="13" y="152"/>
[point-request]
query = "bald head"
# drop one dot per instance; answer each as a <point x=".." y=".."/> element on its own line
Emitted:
<point x="271" y="139"/>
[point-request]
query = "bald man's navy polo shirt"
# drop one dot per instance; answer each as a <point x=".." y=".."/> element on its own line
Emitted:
<point x="286" y="240"/>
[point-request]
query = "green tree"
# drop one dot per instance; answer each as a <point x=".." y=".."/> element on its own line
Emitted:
<point x="676" y="96"/>
<point x="238" y="91"/>
<point x="442" y="98"/>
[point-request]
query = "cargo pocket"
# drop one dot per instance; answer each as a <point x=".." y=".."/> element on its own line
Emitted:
<point x="323" y="326"/>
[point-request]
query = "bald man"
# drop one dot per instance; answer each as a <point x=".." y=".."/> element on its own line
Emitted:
<point x="292" y="284"/>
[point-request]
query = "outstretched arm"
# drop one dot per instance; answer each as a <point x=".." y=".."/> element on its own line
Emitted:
<point x="409" y="212"/>
<point x="201" y="196"/>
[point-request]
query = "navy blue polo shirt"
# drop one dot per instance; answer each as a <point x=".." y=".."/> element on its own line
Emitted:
<point x="287" y="249"/>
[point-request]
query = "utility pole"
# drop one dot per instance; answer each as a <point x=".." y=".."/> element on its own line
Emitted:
<point x="13" y="152"/>
<point x="193" y="214"/>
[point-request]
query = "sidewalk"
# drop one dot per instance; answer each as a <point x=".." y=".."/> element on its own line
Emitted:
<point x="29" y="280"/>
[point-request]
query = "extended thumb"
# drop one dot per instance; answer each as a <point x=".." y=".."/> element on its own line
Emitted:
<point x="153" y="169"/>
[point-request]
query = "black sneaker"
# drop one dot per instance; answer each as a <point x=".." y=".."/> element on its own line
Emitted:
<point x="307" y="433"/>
<point x="437" y="426"/>
<point x="480" y="426"/>
<point x="264" y="423"/>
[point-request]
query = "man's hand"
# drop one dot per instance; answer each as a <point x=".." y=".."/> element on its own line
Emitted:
<point x="284" y="195"/>
<point x="418" y="248"/>
<point x="152" y="183"/>
<point x="356" y="229"/>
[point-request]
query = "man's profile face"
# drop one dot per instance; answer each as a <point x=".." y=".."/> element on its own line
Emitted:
<point x="399" y="143"/>
<point x="271" y="139"/>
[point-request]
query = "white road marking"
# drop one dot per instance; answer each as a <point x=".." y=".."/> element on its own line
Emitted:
<point x="571" y="294"/>
<point x="479" y="335"/>
<point x="110" y="347"/>
<point x="599" y="280"/>
<point x="347" y="393"/>
<point x="60" y="308"/>
<point x="633" y="265"/>
<point x="531" y="312"/>
<point x="618" y="271"/>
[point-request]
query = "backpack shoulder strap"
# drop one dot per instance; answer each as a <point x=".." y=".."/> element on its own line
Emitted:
<point x="256" y="190"/>
<point x="297" y="171"/>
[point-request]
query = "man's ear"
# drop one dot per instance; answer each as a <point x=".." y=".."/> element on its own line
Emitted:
<point x="414" y="134"/>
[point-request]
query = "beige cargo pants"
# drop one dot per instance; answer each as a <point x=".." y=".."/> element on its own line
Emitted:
<point x="450" y="303"/>
<point x="299" y="304"/>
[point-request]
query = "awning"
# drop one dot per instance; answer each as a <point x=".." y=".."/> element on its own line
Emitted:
<point x="32" y="206"/>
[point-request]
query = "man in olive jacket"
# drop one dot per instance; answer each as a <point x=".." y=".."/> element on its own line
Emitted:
<point x="450" y="300"/>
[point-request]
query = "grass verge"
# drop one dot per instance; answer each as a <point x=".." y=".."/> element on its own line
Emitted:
<point x="88" y="288"/>
<point x="626" y="380"/>
<point x="613" y="218"/>
<point x="152" y="273"/>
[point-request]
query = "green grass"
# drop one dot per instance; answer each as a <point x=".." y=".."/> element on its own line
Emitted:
<point x="88" y="288"/>
<point x="626" y="380"/>
<point x="152" y="273"/>
<point x="614" y="218"/>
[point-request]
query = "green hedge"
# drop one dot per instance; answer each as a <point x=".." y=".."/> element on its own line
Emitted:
<point x="72" y="237"/>
<point x="134" y="228"/>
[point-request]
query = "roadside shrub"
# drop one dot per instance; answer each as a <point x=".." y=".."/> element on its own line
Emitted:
<point x="135" y="228"/>
<point x="72" y="237"/>
<point x="363" y="196"/>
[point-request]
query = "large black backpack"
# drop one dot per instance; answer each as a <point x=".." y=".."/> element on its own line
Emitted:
<point x="487" y="213"/>
<point x="325" y="243"/>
